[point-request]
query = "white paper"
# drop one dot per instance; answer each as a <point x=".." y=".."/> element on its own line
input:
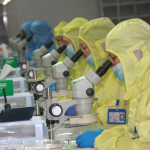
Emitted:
<point x="5" y="71"/>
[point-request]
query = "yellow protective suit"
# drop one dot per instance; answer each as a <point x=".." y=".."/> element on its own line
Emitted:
<point x="129" y="41"/>
<point x="58" y="30"/>
<point x="90" y="33"/>
<point x="71" y="30"/>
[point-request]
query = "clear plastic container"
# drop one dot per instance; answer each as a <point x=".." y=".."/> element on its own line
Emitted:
<point x="43" y="145"/>
<point x="18" y="100"/>
<point x="16" y="72"/>
<point x="16" y="146"/>
<point x="20" y="84"/>
<point x="20" y="131"/>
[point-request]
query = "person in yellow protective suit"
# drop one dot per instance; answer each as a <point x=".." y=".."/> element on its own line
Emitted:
<point x="92" y="37"/>
<point x="128" y="43"/>
<point x="70" y="38"/>
<point x="58" y="30"/>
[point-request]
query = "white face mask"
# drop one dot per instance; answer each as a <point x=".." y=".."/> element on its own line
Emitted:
<point x="118" y="71"/>
<point x="69" y="50"/>
<point x="89" y="59"/>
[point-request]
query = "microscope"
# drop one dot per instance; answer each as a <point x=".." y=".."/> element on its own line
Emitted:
<point x="60" y="73"/>
<point x="12" y="39"/>
<point x="15" y="42"/>
<point x="39" y="53"/>
<point x="27" y="71"/>
<point x="47" y="61"/>
<point x="22" y="47"/>
<point x="82" y="97"/>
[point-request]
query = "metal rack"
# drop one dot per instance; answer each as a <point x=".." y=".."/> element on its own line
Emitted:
<point x="119" y="10"/>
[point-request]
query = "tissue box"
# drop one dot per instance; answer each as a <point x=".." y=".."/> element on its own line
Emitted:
<point x="19" y="131"/>
<point x="8" y="86"/>
<point x="16" y="72"/>
<point x="19" y="84"/>
<point x="18" y="100"/>
<point x="10" y="61"/>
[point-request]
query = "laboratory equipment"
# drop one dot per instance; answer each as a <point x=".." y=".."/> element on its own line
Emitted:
<point x="18" y="100"/>
<point x="22" y="47"/>
<point x="12" y="39"/>
<point x="82" y="97"/>
<point x="14" y="43"/>
<point x="19" y="84"/>
<point x="47" y="61"/>
<point x="9" y="114"/>
<point x="20" y="131"/>
<point x="37" y="54"/>
<point x="60" y="73"/>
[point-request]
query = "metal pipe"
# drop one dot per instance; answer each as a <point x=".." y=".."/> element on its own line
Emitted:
<point x="21" y="57"/>
<point x="48" y="93"/>
<point x="28" y="63"/>
<point x="35" y="74"/>
<point x="51" y="134"/>
<point x="37" y="106"/>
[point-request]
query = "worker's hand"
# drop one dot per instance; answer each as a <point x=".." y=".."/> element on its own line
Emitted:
<point x="86" y="139"/>
<point x="70" y="111"/>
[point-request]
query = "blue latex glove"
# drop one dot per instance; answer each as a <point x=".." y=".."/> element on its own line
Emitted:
<point x="70" y="111"/>
<point x="86" y="139"/>
<point x="53" y="88"/>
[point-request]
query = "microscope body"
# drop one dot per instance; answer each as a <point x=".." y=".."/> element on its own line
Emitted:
<point x="61" y="73"/>
<point x="10" y="41"/>
<point x="22" y="47"/>
<point x="83" y="92"/>
<point x="48" y="61"/>
<point x="14" y="44"/>
<point x="37" y="56"/>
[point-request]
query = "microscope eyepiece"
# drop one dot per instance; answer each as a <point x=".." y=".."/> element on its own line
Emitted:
<point x="77" y="55"/>
<point x="22" y="37"/>
<point x="61" y="49"/>
<point x="18" y="35"/>
<point x="29" y="38"/>
<point x="104" y="68"/>
<point x="49" y="44"/>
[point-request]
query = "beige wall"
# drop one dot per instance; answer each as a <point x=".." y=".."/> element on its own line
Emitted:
<point x="53" y="11"/>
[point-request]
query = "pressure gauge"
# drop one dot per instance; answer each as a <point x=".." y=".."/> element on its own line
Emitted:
<point x="39" y="87"/>
<point x="24" y="66"/>
<point x="30" y="74"/>
<point x="55" y="110"/>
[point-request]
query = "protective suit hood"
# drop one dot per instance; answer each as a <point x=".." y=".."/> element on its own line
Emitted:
<point x="71" y="30"/>
<point x="26" y="26"/>
<point x="93" y="33"/>
<point x="40" y="28"/>
<point x="129" y="41"/>
<point x="58" y="30"/>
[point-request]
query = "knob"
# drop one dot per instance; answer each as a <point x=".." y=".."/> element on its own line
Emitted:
<point x="55" y="110"/>
<point x="30" y="73"/>
<point x="53" y="63"/>
<point x="36" y="96"/>
<point x="23" y="74"/>
<point x="90" y="92"/>
<point x="24" y="66"/>
<point x="66" y="73"/>
<point x="39" y="87"/>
